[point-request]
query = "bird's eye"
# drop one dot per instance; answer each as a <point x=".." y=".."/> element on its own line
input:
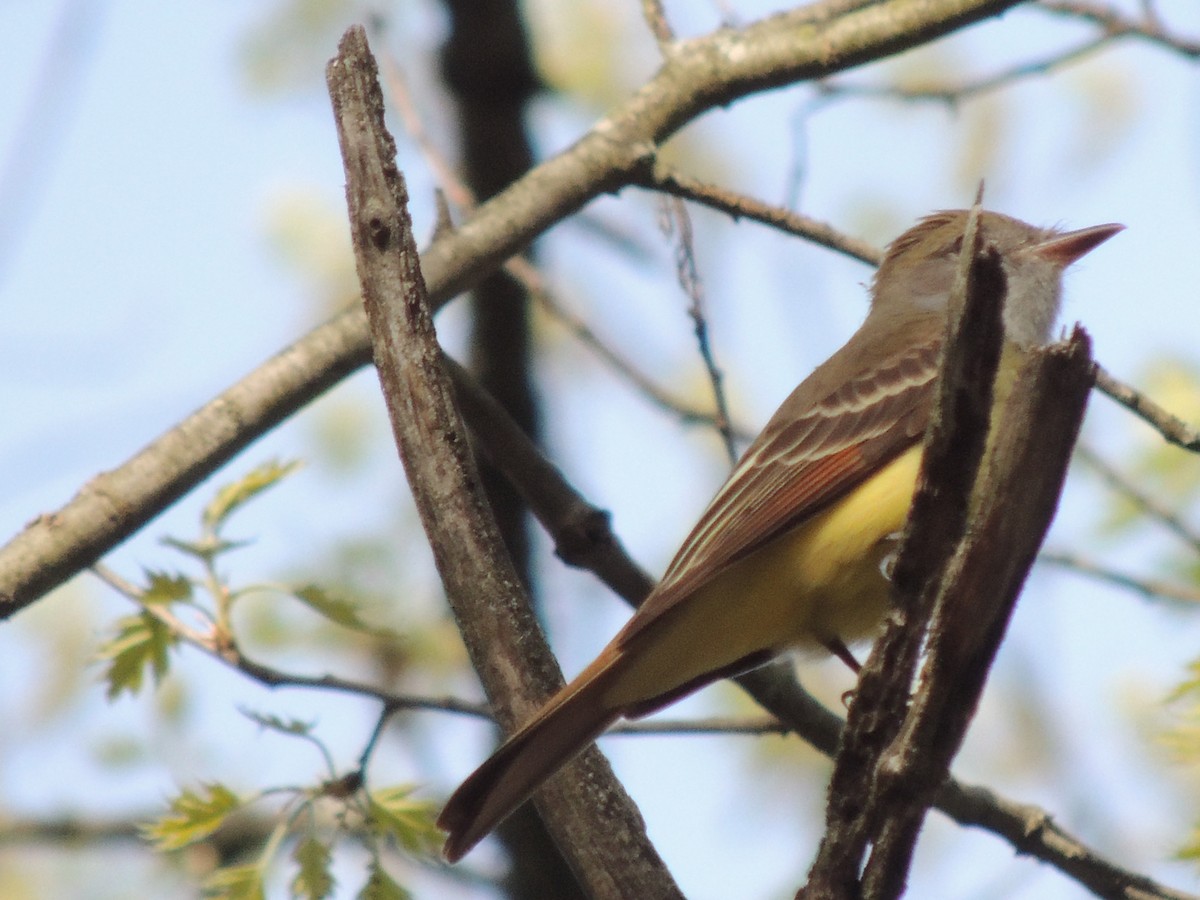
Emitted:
<point x="955" y="248"/>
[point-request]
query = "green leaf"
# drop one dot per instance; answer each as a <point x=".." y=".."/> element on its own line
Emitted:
<point x="274" y="723"/>
<point x="206" y="548"/>
<point x="142" y="642"/>
<point x="313" y="881"/>
<point x="336" y="609"/>
<point x="236" y="883"/>
<point x="165" y="588"/>
<point x="232" y="496"/>
<point x="381" y="886"/>
<point x="194" y="816"/>
<point x="410" y="822"/>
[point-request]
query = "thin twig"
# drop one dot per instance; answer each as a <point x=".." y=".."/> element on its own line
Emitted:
<point x="160" y="611"/>
<point x="1151" y="507"/>
<point x="443" y="170"/>
<point x="535" y="284"/>
<point x="385" y="714"/>
<point x="1114" y="23"/>
<point x="741" y="206"/>
<point x="1150" y="588"/>
<point x="656" y="21"/>
<point x="1117" y="24"/>
<point x="713" y="725"/>
<point x="953" y="94"/>
<point x="393" y="702"/>
<point x="1033" y="831"/>
<point x="232" y="655"/>
<point x="1171" y="427"/>
<point x="677" y="221"/>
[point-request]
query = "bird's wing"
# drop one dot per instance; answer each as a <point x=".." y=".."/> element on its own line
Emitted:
<point x="816" y="448"/>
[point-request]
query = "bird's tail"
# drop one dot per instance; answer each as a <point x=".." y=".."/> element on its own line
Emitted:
<point x="566" y="725"/>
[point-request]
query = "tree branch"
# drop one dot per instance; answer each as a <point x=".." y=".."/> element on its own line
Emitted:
<point x="954" y="446"/>
<point x="1150" y="588"/>
<point x="1153" y="509"/>
<point x="1117" y="24"/>
<point x="604" y="842"/>
<point x="1017" y="500"/>
<point x="1171" y="427"/>
<point x="739" y="206"/>
<point x="813" y="42"/>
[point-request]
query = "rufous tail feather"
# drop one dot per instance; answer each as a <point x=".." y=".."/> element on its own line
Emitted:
<point x="569" y="722"/>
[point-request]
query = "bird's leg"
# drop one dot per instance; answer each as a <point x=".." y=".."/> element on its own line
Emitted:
<point x="842" y="652"/>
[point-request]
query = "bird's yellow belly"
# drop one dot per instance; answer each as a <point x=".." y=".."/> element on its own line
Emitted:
<point x="818" y="582"/>
<point x="831" y="567"/>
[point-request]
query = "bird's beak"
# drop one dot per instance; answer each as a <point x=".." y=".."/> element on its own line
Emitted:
<point x="1065" y="249"/>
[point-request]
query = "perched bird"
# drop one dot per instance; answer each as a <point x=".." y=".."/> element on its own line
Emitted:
<point x="791" y="551"/>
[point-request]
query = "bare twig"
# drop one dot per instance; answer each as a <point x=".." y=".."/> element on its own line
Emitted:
<point x="715" y="725"/>
<point x="1033" y="831"/>
<point x="1150" y="588"/>
<point x="1171" y="427"/>
<point x="1114" y="24"/>
<point x="740" y="206"/>
<point x="953" y="94"/>
<point x="677" y="221"/>
<point x="1117" y="24"/>
<point x="443" y="170"/>
<point x="1149" y="506"/>
<point x="533" y="282"/>
<point x="656" y="21"/>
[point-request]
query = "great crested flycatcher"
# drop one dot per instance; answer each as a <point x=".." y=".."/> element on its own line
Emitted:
<point x="791" y="551"/>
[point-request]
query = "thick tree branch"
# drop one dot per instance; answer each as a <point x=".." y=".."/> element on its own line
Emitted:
<point x="488" y="66"/>
<point x="1017" y="500"/>
<point x="955" y="441"/>
<point x="813" y="42"/>
<point x="603" y="841"/>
